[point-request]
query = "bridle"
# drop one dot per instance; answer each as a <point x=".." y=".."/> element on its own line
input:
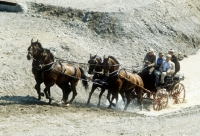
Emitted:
<point x="94" y="63"/>
<point x="116" y="72"/>
<point x="41" y="63"/>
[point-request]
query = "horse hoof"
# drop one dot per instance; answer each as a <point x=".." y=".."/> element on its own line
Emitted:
<point x="114" y="105"/>
<point x="62" y="102"/>
<point x="39" y="98"/>
<point x="52" y="98"/>
<point x="109" y="107"/>
<point x="42" y="94"/>
<point x="67" y="104"/>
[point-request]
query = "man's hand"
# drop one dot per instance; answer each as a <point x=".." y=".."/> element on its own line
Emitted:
<point x="168" y="72"/>
<point x="147" y="62"/>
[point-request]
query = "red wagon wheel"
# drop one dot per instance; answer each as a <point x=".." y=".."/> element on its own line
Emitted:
<point x="178" y="93"/>
<point x="161" y="100"/>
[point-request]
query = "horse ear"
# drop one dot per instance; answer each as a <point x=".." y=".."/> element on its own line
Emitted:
<point x="32" y="40"/>
<point x="90" y="55"/>
<point x="104" y="56"/>
<point x="37" y="40"/>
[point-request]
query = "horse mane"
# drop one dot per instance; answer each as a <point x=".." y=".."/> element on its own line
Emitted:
<point x="114" y="59"/>
<point x="49" y="52"/>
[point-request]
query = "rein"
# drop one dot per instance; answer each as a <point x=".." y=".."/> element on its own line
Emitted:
<point x="72" y="62"/>
<point x="116" y="71"/>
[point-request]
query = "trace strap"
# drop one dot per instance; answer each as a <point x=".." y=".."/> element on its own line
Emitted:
<point x="79" y="78"/>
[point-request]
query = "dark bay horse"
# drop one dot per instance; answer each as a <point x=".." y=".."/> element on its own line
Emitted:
<point x="55" y="72"/>
<point x="37" y="72"/>
<point x="120" y="80"/>
<point x="98" y="78"/>
<point x="95" y="67"/>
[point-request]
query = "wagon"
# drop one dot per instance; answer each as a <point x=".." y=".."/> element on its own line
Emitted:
<point x="173" y="88"/>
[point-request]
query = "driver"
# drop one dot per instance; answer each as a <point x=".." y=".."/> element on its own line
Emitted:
<point x="167" y="68"/>
<point x="150" y="62"/>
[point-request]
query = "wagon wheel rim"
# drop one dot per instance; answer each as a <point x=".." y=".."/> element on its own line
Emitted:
<point x="178" y="93"/>
<point x="161" y="100"/>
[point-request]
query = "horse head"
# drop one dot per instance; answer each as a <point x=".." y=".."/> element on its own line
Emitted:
<point x="110" y="65"/>
<point x="94" y="64"/>
<point x="106" y="65"/>
<point x="39" y="54"/>
<point x="34" y="49"/>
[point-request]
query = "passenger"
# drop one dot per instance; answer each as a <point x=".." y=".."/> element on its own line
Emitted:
<point x="175" y="60"/>
<point x="159" y="61"/>
<point x="167" y="68"/>
<point x="150" y="61"/>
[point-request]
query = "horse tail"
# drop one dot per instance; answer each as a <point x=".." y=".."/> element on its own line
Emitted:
<point x="84" y="77"/>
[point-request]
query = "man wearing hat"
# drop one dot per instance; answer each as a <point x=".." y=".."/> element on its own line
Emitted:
<point x="150" y="61"/>
<point x="159" y="61"/>
<point x="167" y="68"/>
<point x="175" y="60"/>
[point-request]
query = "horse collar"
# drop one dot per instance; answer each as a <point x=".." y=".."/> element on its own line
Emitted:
<point x="52" y="66"/>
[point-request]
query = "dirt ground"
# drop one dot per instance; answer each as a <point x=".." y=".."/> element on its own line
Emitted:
<point x="22" y="114"/>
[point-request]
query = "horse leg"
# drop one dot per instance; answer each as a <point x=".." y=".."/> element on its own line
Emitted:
<point x="108" y="95"/>
<point x="139" y="92"/>
<point x="62" y="87"/>
<point x="122" y="95"/>
<point x="116" y="97"/>
<point x="38" y="78"/>
<point x="111" y="101"/>
<point x="128" y="100"/>
<point x="47" y="91"/>
<point x="73" y="84"/>
<point x="37" y="87"/>
<point x="94" y="86"/>
<point x="68" y="91"/>
<point x="100" y="95"/>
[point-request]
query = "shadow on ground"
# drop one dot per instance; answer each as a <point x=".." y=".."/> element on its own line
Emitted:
<point x="8" y="100"/>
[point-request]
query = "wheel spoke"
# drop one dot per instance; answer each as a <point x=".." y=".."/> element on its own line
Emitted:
<point x="161" y="100"/>
<point x="178" y="93"/>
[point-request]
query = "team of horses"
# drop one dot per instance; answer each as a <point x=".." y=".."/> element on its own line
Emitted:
<point x="107" y="75"/>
